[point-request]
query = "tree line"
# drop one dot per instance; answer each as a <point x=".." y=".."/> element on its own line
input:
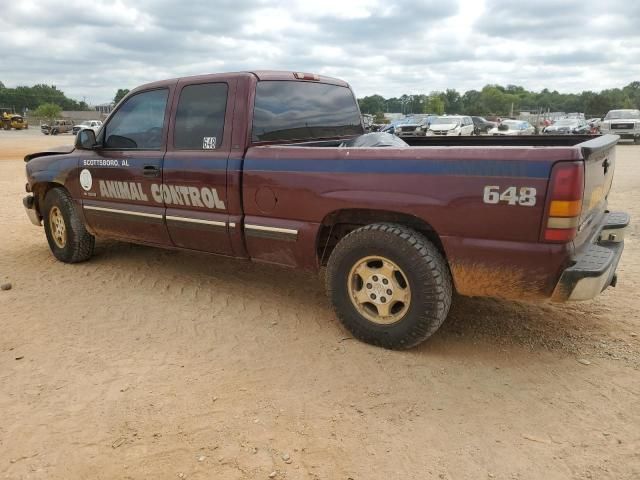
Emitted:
<point x="502" y="101"/>
<point x="22" y="98"/>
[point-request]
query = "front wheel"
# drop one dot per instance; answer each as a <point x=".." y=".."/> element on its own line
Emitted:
<point x="68" y="238"/>
<point x="389" y="285"/>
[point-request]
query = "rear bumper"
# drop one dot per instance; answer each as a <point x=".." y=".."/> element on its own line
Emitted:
<point x="30" y="208"/>
<point x="595" y="268"/>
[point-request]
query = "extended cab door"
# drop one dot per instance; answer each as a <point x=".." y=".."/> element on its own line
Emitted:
<point x="195" y="167"/>
<point x="122" y="179"/>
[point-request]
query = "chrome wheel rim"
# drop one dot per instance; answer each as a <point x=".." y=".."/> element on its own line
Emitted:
<point x="379" y="290"/>
<point x="57" y="227"/>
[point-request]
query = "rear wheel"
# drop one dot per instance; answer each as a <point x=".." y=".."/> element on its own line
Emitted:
<point x="389" y="285"/>
<point x="68" y="238"/>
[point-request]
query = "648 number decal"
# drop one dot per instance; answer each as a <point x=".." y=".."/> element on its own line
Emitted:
<point x="524" y="196"/>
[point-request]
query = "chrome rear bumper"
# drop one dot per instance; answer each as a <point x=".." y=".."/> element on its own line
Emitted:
<point x="595" y="268"/>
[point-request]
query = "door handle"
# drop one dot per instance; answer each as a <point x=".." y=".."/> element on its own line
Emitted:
<point x="151" y="171"/>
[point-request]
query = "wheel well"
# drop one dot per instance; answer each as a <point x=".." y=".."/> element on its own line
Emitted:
<point x="338" y="224"/>
<point x="40" y="190"/>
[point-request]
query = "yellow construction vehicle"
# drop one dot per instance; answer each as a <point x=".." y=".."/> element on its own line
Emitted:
<point x="10" y="119"/>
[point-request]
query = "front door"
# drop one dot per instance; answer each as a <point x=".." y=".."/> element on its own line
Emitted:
<point x="195" y="166"/>
<point x="122" y="179"/>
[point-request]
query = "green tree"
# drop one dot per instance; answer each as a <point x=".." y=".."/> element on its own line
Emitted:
<point x="23" y="97"/>
<point x="435" y="104"/>
<point x="122" y="92"/>
<point x="379" y="118"/>
<point x="48" y="111"/>
<point x="452" y="101"/>
<point x="499" y="100"/>
<point x="471" y="103"/>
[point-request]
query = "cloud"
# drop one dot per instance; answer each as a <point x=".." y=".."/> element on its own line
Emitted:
<point x="89" y="50"/>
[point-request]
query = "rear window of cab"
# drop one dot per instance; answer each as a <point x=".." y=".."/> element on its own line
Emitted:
<point x="294" y="110"/>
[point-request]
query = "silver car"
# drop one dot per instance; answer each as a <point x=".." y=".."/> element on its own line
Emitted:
<point x="513" y="128"/>
<point x="91" y="124"/>
<point x="625" y="123"/>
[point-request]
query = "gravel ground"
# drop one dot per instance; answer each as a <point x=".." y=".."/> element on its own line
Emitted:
<point x="145" y="363"/>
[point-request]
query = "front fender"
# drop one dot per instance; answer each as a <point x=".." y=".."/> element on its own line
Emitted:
<point x="47" y="171"/>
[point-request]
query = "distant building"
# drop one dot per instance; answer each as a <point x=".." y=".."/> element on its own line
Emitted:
<point x="81" y="116"/>
<point x="104" y="108"/>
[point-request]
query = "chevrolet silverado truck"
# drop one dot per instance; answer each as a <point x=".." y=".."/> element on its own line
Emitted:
<point x="274" y="167"/>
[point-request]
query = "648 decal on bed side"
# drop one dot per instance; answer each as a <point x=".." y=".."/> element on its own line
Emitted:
<point x="524" y="196"/>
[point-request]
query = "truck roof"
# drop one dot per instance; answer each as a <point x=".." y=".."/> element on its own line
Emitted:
<point x="259" y="74"/>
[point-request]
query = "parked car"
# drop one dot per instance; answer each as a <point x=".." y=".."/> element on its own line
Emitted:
<point x="58" y="126"/>
<point x="391" y="127"/>
<point x="513" y="128"/>
<point x="458" y="125"/>
<point x="238" y="165"/>
<point x="482" y="125"/>
<point x="594" y="122"/>
<point x="416" y="127"/>
<point x="92" y="124"/>
<point x="568" y="126"/>
<point x="625" y="123"/>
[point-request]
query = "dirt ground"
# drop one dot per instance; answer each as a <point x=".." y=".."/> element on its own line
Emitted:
<point x="145" y="363"/>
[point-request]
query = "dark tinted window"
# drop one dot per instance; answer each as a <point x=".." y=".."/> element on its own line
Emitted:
<point x="139" y="122"/>
<point x="289" y="110"/>
<point x="200" y="117"/>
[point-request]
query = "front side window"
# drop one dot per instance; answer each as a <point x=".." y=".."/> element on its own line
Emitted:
<point x="290" y="110"/>
<point x="138" y="124"/>
<point x="200" y="117"/>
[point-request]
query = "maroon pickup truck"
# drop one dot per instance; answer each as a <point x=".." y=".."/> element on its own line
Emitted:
<point x="275" y="167"/>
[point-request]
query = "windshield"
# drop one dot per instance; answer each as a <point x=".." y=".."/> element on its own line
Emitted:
<point x="511" y="125"/>
<point x="411" y="121"/>
<point x="428" y="120"/>
<point x="445" y="121"/>
<point x="626" y="114"/>
<point x="567" y="122"/>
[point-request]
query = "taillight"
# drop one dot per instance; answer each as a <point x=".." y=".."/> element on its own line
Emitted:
<point x="565" y="202"/>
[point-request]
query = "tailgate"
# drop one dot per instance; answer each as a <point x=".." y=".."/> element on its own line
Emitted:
<point x="599" y="164"/>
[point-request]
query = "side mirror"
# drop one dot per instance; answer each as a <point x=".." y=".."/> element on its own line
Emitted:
<point x="86" y="139"/>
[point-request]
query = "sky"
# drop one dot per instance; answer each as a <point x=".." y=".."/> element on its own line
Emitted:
<point x="89" y="49"/>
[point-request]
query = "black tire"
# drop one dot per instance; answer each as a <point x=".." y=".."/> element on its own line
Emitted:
<point x="426" y="272"/>
<point x="78" y="244"/>
<point x="54" y="132"/>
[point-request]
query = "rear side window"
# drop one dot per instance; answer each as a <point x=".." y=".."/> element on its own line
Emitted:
<point x="138" y="123"/>
<point x="200" y="117"/>
<point x="289" y="110"/>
